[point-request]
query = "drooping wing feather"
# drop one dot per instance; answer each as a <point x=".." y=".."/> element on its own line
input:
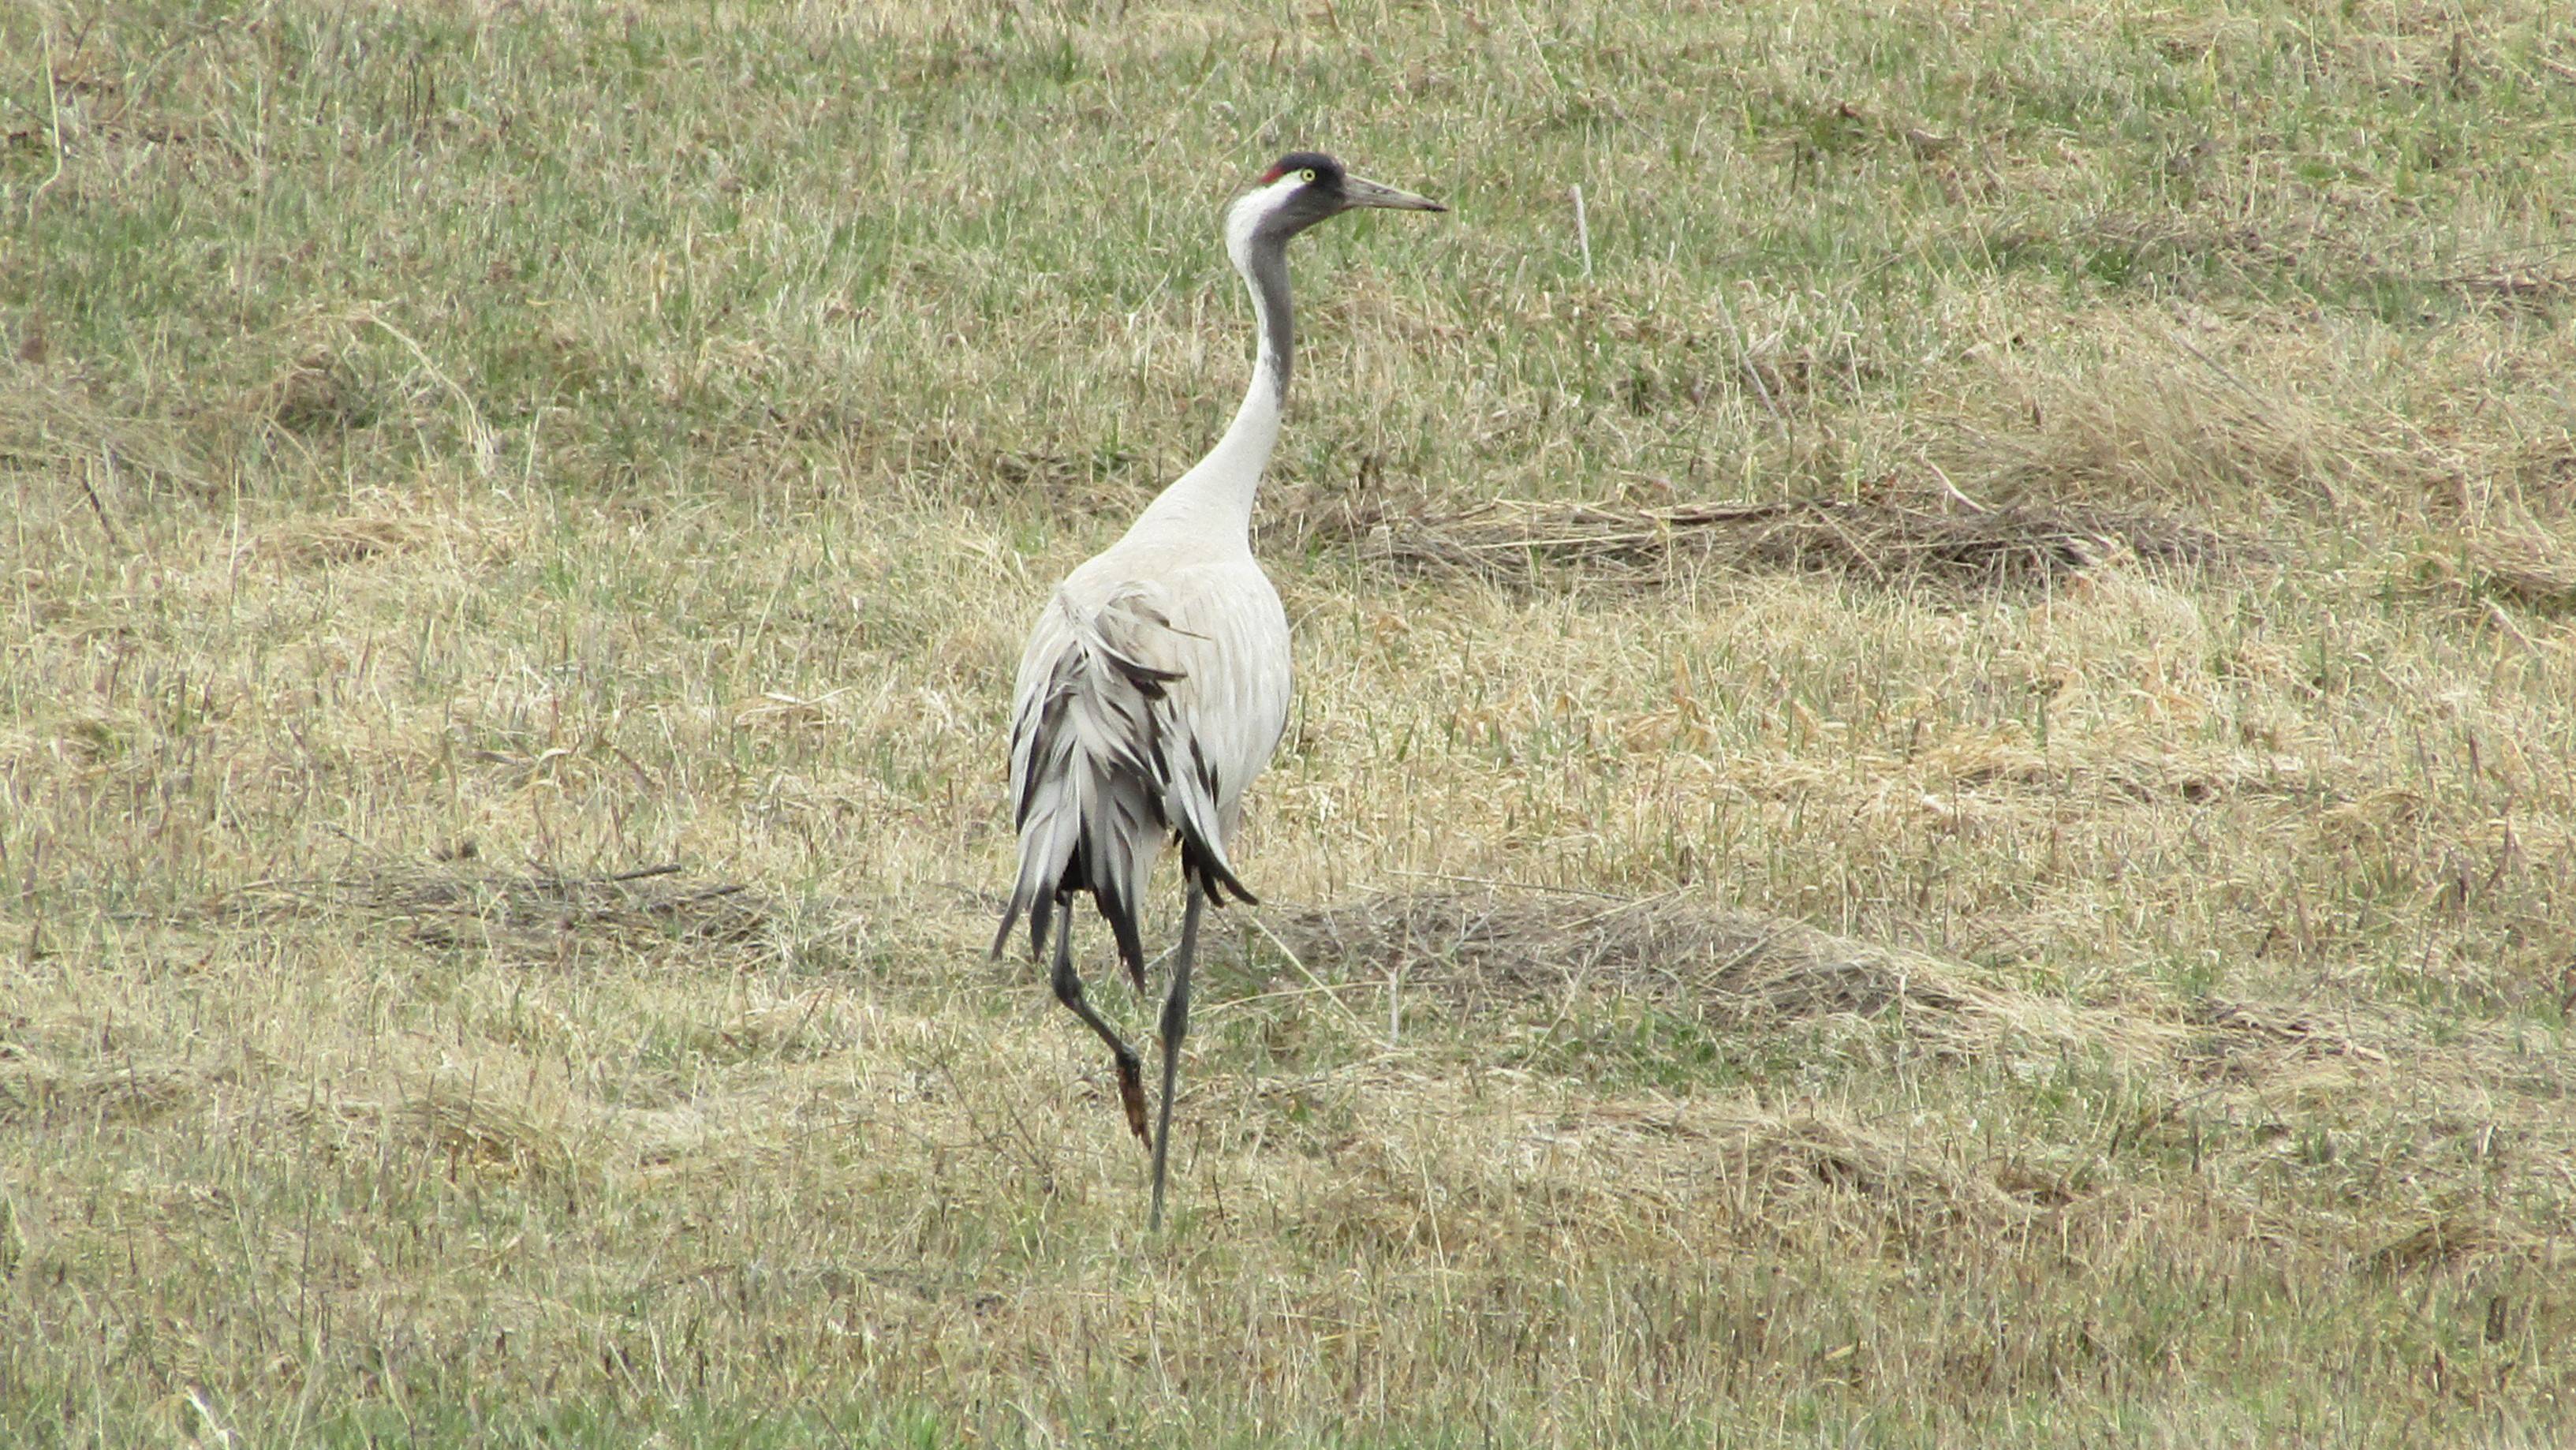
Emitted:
<point x="1142" y="711"/>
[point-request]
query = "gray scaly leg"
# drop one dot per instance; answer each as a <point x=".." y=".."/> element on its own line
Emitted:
<point x="1176" y="1025"/>
<point x="1131" y="1076"/>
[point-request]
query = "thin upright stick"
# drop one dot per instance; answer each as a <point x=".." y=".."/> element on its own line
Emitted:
<point x="1583" y="233"/>
<point x="54" y="133"/>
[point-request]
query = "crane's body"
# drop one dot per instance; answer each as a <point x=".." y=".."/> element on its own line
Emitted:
<point x="1156" y="681"/>
<point x="1153" y="689"/>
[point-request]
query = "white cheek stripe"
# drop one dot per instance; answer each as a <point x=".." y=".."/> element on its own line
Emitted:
<point x="1245" y="215"/>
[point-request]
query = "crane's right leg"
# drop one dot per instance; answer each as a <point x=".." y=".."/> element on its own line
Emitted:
<point x="1176" y="1025"/>
<point x="1131" y="1075"/>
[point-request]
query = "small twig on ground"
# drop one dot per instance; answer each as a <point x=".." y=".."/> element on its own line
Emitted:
<point x="1925" y="458"/>
<point x="667" y="868"/>
<point x="99" y="506"/>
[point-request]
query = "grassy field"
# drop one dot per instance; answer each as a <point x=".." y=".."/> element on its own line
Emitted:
<point x="1930" y="803"/>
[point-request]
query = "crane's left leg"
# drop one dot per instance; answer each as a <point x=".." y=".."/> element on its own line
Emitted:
<point x="1068" y="990"/>
<point x="1176" y="1025"/>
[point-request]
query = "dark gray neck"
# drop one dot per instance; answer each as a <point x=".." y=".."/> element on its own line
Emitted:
<point x="1211" y="505"/>
<point x="1267" y="269"/>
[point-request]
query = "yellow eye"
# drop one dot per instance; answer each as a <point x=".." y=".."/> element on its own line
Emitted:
<point x="1306" y="175"/>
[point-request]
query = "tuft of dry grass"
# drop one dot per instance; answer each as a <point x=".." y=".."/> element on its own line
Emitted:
<point x="1881" y="538"/>
<point x="1479" y="951"/>
<point x="2239" y="421"/>
<point x="2530" y="570"/>
<point x="32" y="1085"/>
<point x="527" y="914"/>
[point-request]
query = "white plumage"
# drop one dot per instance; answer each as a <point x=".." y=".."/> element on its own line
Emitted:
<point x="1156" y="681"/>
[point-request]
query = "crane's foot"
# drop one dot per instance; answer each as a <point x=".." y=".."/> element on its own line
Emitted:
<point x="1131" y="1095"/>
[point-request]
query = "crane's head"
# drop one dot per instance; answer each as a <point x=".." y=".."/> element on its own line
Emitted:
<point x="1306" y="187"/>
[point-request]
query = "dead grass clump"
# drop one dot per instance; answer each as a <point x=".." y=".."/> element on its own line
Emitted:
<point x="2246" y="1041"/>
<point x="1883" y="537"/>
<point x="1533" y="945"/>
<point x="33" y="1086"/>
<point x="2130" y="1214"/>
<point x="2167" y="422"/>
<point x="537" y="914"/>
<point x="2528" y="283"/>
<point x="451" y="1112"/>
<point x="1774" y="1165"/>
<point x="52" y="426"/>
<point x="317" y="393"/>
<point x="2182" y="251"/>
<point x="2532" y="572"/>
<point x="313" y="542"/>
<point x="1640" y="1176"/>
<point x="459" y="1119"/>
<point x="1068" y="481"/>
<point x="798" y="1028"/>
<point x="2456" y="1239"/>
<point x="1469" y="947"/>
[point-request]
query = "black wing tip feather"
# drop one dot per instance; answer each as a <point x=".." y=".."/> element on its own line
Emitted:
<point x="1148" y="680"/>
<point x="1198" y="863"/>
<point x="1011" y="918"/>
<point x="1203" y="865"/>
<point x="1120" y="913"/>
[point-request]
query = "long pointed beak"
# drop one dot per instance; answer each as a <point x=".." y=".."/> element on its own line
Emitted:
<point x="1359" y="191"/>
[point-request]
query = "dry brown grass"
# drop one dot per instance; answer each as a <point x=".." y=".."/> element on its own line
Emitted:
<point x="1928" y="805"/>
